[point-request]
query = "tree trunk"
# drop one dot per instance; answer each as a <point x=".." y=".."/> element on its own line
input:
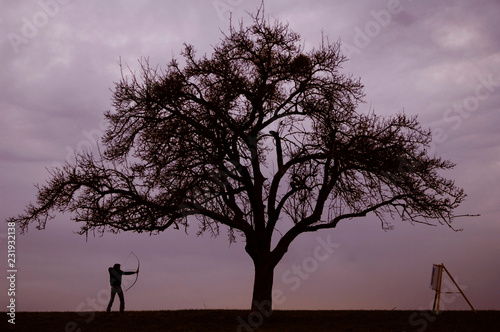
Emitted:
<point x="262" y="290"/>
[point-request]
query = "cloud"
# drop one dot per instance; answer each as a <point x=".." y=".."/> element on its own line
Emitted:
<point x="425" y="58"/>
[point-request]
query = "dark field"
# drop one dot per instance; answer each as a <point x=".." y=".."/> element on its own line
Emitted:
<point x="236" y="320"/>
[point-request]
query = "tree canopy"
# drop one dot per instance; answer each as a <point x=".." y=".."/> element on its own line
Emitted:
<point x="259" y="133"/>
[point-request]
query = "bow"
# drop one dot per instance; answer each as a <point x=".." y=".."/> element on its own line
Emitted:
<point x="137" y="274"/>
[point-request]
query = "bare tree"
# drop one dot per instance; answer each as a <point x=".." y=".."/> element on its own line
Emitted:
<point x="258" y="134"/>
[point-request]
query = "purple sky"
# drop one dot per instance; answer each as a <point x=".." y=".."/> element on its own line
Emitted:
<point x="437" y="59"/>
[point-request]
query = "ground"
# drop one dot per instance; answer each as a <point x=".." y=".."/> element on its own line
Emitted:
<point x="241" y="321"/>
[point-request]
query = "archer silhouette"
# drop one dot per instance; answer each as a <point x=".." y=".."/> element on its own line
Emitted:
<point x="115" y="280"/>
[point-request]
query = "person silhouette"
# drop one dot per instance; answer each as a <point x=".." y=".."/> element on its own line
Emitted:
<point x="115" y="280"/>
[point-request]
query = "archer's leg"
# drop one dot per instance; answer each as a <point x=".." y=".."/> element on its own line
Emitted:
<point x="111" y="301"/>
<point x="122" y="300"/>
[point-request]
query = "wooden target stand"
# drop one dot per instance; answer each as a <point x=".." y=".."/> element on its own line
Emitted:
<point x="436" y="279"/>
